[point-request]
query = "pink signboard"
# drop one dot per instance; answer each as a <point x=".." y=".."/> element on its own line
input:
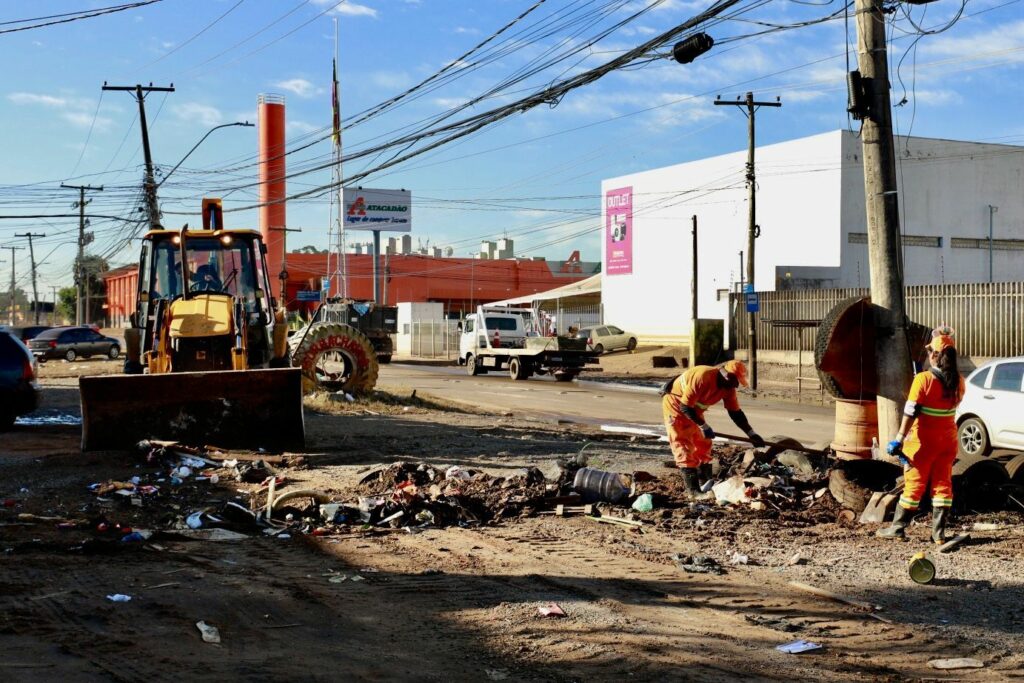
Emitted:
<point x="618" y="231"/>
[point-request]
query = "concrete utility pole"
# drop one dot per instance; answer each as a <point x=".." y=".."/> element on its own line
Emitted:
<point x="10" y="315"/>
<point x="32" y="260"/>
<point x="693" y="298"/>
<point x="53" y="315"/>
<point x="82" y="241"/>
<point x="149" y="184"/>
<point x="880" y="195"/>
<point x="753" y="230"/>
<point x="991" y="213"/>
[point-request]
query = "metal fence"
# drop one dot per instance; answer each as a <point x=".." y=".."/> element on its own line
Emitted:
<point x="578" y="316"/>
<point x="988" y="317"/>
<point x="434" y="339"/>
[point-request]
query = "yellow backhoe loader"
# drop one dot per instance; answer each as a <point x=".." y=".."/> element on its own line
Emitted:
<point x="207" y="357"/>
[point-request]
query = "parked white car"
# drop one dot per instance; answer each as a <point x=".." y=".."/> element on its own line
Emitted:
<point x="607" y="338"/>
<point x="991" y="414"/>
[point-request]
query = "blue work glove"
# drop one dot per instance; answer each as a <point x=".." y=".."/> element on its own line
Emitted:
<point x="895" y="447"/>
<point x="707" y="431"/>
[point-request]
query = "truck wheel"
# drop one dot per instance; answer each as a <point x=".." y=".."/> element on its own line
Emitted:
<point x="473" y="366"/>
<point x="517" y="369"/>
<point x="336" y="357"/>
<point x="564" y="376"/>
<point x="384" y="358"/>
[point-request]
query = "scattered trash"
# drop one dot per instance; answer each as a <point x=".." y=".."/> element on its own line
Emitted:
<point x="986" y="526"/>
<point x="195" y="520"/>
<point x="456" y="472"/>
<point x="644" y="503"/>
<point x="697" y="564"/>
<point x="211" y="534"/>
<point x="550" y="610"/>
<point x="738" y="558"/>
<point x="956" y="663"/>
<point x="954" y="542"/>
<point x="358" y="578"/>
<point x="797" y="559"/>
<point x="595" y="485"/>
<point x="119" y="597"/>
<point x="210" y="633"/>
<point x="338" y="579"/>
<point x="798" y="646"/>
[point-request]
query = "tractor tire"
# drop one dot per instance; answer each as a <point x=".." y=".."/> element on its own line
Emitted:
<point x="336" y="357"/>
<point x="824" y="338"/>
<point x="852" y="482"/>
<point x="979" y="483"/>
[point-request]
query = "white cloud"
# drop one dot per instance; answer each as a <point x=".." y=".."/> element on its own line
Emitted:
<point x="37" y="43"/>
<point x="194" y="112"/>
<point x="351" y="9"/>
<point x="297" y="86"/>
<point x="936" y="97"/>
<point x="167" y="44"/>
<point x="28" y="98"/>
<point x="301" y="127"/>
<point x="467" y="30"/>
<point x="83" y="119"/>
<point x="390" y="79"/>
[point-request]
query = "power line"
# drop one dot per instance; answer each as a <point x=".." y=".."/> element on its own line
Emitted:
<point x="79" y="16"/>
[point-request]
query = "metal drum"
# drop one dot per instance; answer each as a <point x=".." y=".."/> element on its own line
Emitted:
<point x="595" y="485"/>
<point x="856" y="426"/>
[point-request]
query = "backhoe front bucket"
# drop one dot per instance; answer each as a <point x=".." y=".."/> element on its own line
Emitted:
<point x="231" y="409"/>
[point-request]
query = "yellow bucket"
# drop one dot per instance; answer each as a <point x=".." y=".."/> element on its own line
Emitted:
<point x="921" y="569"/>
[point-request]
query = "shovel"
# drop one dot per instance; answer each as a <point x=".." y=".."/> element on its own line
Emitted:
<point x="778" y="446"/>
<point x="882" y="503"/>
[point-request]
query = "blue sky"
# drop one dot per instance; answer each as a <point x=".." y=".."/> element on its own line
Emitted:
<point x="534" y="176"/>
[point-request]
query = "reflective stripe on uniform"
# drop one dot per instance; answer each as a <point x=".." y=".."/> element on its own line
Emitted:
<point x="937" y="412"/>
<point x="941" y="502"/>
<point x="702" y="406"/>
<point x="909" y="503"/>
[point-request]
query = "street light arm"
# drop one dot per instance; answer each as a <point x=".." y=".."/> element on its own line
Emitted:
<point x="195" y="146"/>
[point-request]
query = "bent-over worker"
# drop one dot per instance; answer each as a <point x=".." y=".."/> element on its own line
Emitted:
<point x="926" y="443"/>
<point x="683" y="403"/>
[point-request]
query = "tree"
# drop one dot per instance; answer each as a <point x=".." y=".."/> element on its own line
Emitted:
<point x="66" y="298"/>
<point x="309" y="249"/>
<point x="21" y="306"/>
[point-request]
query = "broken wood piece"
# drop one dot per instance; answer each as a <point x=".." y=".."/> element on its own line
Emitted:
<point x="569" y="499"/>
<point x="568" y="510"/>
<point x="618" y="520"/>
<point x="822" y="593"/>
<point x="952" y="543"/>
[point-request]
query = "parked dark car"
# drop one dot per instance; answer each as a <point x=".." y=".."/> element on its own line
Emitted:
<point x="70" y="343"/>
<point x="18" y="392"/>
<point x="28" y="332"/>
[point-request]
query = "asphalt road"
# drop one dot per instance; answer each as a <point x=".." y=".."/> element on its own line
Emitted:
<point x="596" y="403"/>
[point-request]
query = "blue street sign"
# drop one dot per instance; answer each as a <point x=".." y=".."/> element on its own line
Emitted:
<point x="304" y="295"/>
<point x="753" y="305"/>
<point x="325" y="283"/>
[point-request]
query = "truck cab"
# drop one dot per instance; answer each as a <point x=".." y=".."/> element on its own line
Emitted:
<point x="491" y="329"/>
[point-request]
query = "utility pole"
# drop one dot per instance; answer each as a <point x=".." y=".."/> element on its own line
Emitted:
<point x="283" y="275"/>
<point x="82" y="241"/>
<point x="32" y="260"/>
<point x="10" y="315"/>
<point x="991" y="270"/>
<point x="139" y="92"/>
<point x="693" y="298"/>
<point x="871" y="86"/>
<point x="53" y="315"/>
<point x="753" y="230"/>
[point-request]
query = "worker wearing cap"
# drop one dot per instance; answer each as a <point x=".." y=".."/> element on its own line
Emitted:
<point x="926" y="443"/>
<point x="683" y="403"/>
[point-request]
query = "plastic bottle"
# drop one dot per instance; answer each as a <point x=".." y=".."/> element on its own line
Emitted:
<point x="875" y="453"/>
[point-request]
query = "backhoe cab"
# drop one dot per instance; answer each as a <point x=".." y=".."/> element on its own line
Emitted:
<point x="204" y="335"/>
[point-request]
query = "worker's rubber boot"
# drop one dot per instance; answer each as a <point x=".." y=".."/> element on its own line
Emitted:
<point x="939" y="516"/>
<point x="899" y="525"/>
<point x="704" y="474"/>
<point x="692" y="482"/>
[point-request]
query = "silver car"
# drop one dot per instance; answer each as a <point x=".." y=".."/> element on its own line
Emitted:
<point x="990" y="414"/>
<point x="607" y="338"/>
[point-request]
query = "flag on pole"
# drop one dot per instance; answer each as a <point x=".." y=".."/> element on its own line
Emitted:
<point x="336" y="108"/>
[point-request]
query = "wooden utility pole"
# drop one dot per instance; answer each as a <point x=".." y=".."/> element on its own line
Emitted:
<point x="283" y="275"/>
<point x="749" y="107"/>
<point x="53" y="315"/>
<point x="139" y="92"/>
<point x="82" y="241"/>
<point x="883" y="227"/>
<point x="32" y="260"/>
<point x="10" y="315"/>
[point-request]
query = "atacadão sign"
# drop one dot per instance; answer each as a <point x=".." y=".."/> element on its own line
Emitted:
<point x="377" y="210"/>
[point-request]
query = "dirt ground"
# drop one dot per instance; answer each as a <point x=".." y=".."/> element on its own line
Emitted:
<point x="461" y="603"/>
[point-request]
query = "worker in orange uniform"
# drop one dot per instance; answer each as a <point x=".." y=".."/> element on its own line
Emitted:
<point x="926" y="443"/>
<point x="683" y="403"/>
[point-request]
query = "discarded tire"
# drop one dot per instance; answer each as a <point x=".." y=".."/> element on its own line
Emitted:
<point x="824" y="340"/>
<point x="852" y="482"/>
<point x="336" y="357"/>
<point x="1015" y="469"/>
<point x="979" y="483"/>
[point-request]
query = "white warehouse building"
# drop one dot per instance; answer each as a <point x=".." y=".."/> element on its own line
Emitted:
<point x="810" y="207"/>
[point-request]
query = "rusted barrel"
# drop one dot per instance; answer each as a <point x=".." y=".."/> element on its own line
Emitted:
<point x="856" y="426"/>
<point x="595" y="484"/>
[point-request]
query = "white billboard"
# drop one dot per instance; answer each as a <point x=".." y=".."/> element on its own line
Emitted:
<point x="377" y="210"/>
